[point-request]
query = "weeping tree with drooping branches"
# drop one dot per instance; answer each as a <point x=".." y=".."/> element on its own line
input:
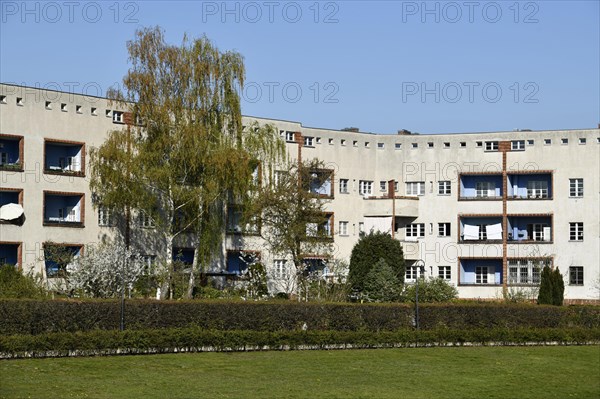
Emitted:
<point x="184" y="152"/>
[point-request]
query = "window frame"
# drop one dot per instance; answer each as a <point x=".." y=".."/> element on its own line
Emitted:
<point x="576" y="231"/>
<point x="343" y="186"/>
<point x="410" y="188"/>
<point x="365" y="187"/>
<point x="444" y="187"/>
<point x="576" y="187"/>
<point x="576" y="276"/>
<point x="445" y="273"/>
<point x="444" y="229"/>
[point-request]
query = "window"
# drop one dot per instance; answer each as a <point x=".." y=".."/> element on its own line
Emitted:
<point x="343" y="141"/>
<point x="415" y="188"/>
<point x="344" y="228"/>
<point x="415" y="145"/>
<point x="94" y="111"/>
<point x="367" y="144"/>
<point x="105" y="216"/>
<point x="381" y="145"/>
<point x="446" y="145"/>
<point x="344" y="186"/>
<point x="582" y="140"/>
<point x="518" y="145"/>
<point x="576" y="188"/>
<point x="530" y="142"/>
<point x="117" y="117"/>
<point x="330" y="141"/>
<point x="535" y="231"/>
<point x="412" y="273"/>
<point x="576" y="231"/>
<point x="564" y="141"/>
<point x="48" y="105"/>
<point x="485" y="189"/>
<point x="481" y="274"/>
<point x="526" y="271"/>
<point x="280" y="268"/>
<point x="444" y="229"/>
<point x="383" y="186"/>
<point x="308" y="141"/>
<point x="365" y="187"/>
<point x="20" y="101"/>
<point x="479" y="144"/>
<point x="444" y="188"/>
<point x="463" y="144"/>
<point x="144" y="220"/>
<point x="108" y="113"/>
<point x="482" y="232"/>
<point x="361" y="228"/>
<point x="318" y="140"/>
<point x="355" y="143"/>
<point x="2" y="99"/>
<point x="547" y="141"/>
<point x="430" y="144"/>
<point x="537" y="189"/>
<point x="287" y="136"/>
<point x="415" y="230"/>
<point x="396" y="185"/>
<point x="63" y="107"/>
<point x="491" y="146"/>
<point x="444" y="272"/>
<point x="398" y="146"/>
<point x="78" y="109"/>
<point x="576" y="275"/>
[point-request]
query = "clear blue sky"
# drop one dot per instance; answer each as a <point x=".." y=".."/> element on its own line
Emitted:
<point x="431" y="67"/>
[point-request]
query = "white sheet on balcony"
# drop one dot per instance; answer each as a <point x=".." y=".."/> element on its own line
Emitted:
<point x="470" y="232"/>
<point x="494" y="231"/>
<point x="378" y="224"/>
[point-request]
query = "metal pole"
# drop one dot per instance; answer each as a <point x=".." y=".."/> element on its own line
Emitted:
<point x="122" y="324"/>
<point x="417" y="302"/>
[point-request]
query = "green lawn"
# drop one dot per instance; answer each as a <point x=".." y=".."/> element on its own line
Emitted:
<point x="481" y="372"/>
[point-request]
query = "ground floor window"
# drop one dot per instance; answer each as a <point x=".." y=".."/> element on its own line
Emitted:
<point x="576" y="275"/>
<point x="444" y="272"/>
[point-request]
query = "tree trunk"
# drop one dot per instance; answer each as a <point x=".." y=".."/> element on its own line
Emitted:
<point x="192" y="280"/>
<point x="166" y="285"/>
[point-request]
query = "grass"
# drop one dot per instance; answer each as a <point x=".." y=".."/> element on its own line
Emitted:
<point x="470" y="372"/>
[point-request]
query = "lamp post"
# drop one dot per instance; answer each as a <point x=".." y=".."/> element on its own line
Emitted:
<point x="420" y="264"/>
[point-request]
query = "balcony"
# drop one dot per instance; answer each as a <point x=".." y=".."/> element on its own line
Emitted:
<point x="63" y="209"/>
<point x="529" y="229"/>
<point x="480" y="229"/>
<point x="11" y="152"/>
<point x="534" y="186"/>
<point x="480" y="272"/>
<point x="400" y="206"/>
<point x="64" y="158"/>
<point x="480" y="187"/>
<point x="9" y="254"/>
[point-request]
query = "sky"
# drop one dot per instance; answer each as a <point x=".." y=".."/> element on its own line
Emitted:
<point x="429" y="67"/>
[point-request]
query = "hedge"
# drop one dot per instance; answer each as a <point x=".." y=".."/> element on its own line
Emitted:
<point x="103" y="342"/>
<point x="40" y="317"/>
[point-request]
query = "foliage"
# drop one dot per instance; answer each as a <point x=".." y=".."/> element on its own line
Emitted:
<point x="292" y="216"/>
<point x="196" y="339"/>
<point x="558" y="288"/>
<point x="545" y="293"/>
<point x="552" y="287"/>
<point x="107" y="270"/>
<point x="430" y="290"/>
<point x="256" y="281"/>
<point x="184" y="151"/>
<point x="37" y="317"/>
<point x="381" y="284"/>
<point x="14" y="284"/>
<point x="368" y="251"/>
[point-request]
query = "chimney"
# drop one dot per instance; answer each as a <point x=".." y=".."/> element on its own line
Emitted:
<point x="350" y="129"/>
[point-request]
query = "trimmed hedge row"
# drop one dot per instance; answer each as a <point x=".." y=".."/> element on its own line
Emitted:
<point x="102" y="342"/>
<point x="38" y="317"/>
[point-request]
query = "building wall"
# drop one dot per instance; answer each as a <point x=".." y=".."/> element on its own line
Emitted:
<point x="355" y="156"/>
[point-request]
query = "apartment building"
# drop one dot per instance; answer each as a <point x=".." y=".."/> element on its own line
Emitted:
<point x="484" y="211"/>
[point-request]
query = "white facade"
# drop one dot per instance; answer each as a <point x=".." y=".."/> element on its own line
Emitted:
<point x="480" y="209"/>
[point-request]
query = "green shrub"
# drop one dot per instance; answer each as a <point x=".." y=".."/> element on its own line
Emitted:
<point x="545" y="293"/>
<point x="14" y="284"/>
<point x="368" y="251"/>
<point x="381" y="284"/>
<point x="39" y="317"/>
<point x="558" y="288"/>
<point x="196" y="339"/>
<point x="430" y="290"/>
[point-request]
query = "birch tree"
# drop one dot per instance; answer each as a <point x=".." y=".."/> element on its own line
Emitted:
<point x="184" y="152"/>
